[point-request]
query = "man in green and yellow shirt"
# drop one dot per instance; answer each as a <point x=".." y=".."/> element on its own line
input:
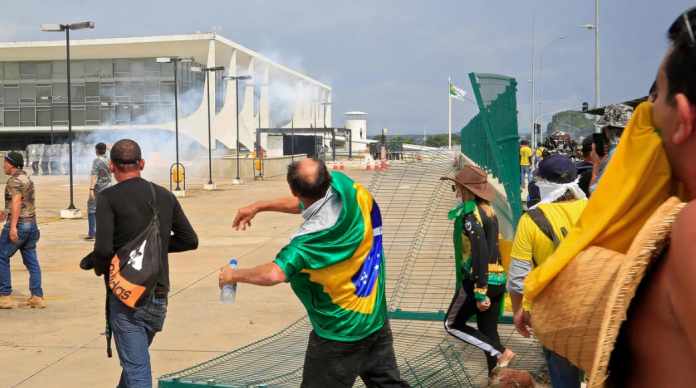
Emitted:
<point x="335" y="265"/>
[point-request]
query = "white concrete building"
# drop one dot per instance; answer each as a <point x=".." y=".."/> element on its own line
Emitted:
<point x="117" y="86"/>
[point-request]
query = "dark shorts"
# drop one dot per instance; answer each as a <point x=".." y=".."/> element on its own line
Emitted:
<point x="338" y="364"/>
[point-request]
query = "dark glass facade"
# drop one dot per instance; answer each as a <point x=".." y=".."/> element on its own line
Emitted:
<point x="103" y="92"/>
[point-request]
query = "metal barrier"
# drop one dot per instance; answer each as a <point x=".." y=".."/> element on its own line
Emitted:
<point x="491" y="138"/>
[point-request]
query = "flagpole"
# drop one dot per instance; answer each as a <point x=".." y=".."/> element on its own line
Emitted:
<point x="449" y="117"/>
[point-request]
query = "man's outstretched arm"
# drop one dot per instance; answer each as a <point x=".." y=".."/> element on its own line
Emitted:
<point x="263" y="275"/>
<point x="244" y="216"/>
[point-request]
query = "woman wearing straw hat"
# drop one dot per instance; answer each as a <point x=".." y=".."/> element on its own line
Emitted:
<point x="480" y="274"/>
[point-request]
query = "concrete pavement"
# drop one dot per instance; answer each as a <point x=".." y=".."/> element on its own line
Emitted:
<point x="62" y="345"/>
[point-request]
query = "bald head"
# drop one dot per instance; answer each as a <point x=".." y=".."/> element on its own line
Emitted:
<point x="309" y="178"/>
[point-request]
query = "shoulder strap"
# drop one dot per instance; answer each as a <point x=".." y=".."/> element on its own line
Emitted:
<point x="543" y="223"/>
<point x="155" y="217"/>
<point x="153" y="203"/>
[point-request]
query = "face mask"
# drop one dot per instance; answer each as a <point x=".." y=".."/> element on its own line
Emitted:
<point x="302" y="206"/>
<point x="458" y="200"/>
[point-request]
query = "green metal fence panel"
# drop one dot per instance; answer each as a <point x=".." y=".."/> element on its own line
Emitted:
<point x="491" y="139"/>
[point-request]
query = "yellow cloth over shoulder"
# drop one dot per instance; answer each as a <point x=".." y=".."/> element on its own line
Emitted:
<point x="636" y="182"/>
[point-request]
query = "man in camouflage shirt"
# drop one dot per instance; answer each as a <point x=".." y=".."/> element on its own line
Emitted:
<point x="20" y="233"/>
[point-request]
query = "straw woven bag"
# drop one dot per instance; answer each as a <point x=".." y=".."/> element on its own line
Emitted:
<point x="579" y="314"/>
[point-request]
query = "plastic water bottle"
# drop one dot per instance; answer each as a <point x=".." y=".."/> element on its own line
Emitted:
<point x="229" y="293"/>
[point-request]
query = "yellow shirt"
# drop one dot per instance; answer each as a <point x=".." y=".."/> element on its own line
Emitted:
<point x="539" y="152"/>
<point x="525" y="153"/>
<point x="531" y="241"/>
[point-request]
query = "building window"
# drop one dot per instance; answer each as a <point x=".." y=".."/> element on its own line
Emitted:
<point x="11" y="118"/>
<point x="142" y="89"/>
<point x="11" y="72"/>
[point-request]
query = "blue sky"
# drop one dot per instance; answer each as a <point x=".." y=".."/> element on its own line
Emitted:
<point x="392" y="58"/>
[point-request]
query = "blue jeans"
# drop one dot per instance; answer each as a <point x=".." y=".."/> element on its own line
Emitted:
<point x="134" y="330"/>
<point x="29" y="235"/>
<point x="92" y="220"/>
<point x="525" y="170"/>
<point x="562" y="373"/>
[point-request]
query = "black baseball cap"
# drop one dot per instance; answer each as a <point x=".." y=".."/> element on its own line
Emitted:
<point x="100" y="147"/>
<point x="558" y="169"/>
<point x="15" y="158"/>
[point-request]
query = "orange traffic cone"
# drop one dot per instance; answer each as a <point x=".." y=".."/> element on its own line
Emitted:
<point x="376" y="165"/>
<point x="335" y="165"/>
<point x="369" y="168"/>
<point x="456" y="161"/>
<point x="420" y="159"/>
<point x="342" y="168"/>
<point x="384" y="165"/>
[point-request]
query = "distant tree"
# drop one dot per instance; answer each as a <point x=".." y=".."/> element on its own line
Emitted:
<point x="575" y="123"/>
<point x="377" y="137"/>
<point x="405" y="140"/>
<point x="440" y="140"/>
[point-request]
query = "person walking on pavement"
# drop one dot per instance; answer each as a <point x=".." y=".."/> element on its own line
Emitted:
<point x="123" y="212"/>
<point x="20" y="233"/>
<point x="100" y="179"/>
<point x="525" y="163"/>
<point x="336" y="266"/>
<point x="480" y="275"/>
<point x="538" y="154"/>
<point x="540" y="231"/>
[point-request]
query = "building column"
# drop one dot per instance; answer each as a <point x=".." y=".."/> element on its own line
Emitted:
<point x="225" y="123"/>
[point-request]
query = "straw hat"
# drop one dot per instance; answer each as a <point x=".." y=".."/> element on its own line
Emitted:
<point x="474" y="179"/>
<point x="579" y="314"/>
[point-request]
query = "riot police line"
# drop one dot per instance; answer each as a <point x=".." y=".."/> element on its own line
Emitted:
<point x="54" y="159"/>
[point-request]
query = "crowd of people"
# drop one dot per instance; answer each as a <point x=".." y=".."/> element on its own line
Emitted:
<point x="335" y="261"/>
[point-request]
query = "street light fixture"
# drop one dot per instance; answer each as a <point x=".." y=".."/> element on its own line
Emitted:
<point x="238" y="180"/>
<point x="51" y="99"/>
<point x="541" y="81"/>
<point x="72" y="211"/>
<point x="176" y="60"/>
<point x="210" y="185"/>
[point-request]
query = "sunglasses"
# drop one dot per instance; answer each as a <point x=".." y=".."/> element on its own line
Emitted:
<point x="454" y="188"/>
<point x="686" y="26"/>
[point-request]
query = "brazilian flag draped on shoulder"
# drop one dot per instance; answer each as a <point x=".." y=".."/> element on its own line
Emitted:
<point x="338" y="273"/>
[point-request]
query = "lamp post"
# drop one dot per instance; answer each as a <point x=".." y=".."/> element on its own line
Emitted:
<point x="176" y="60"/>
<point x="51" y="98"/>
<point x="71" y="211"/>
<point x="210" y="185"/>
<point x="325" y="104"/>
<point x="238" y="180"/>
<point x="541" y="81"/>
<point x="533" y="45"/>
<point x="596" y="30"/>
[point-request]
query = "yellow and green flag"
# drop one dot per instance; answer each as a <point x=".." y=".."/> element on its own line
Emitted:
<point x="457" y="93"/>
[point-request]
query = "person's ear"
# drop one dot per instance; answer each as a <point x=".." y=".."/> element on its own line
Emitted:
<point x="142" y="164"/>
<point x="686" y="119"/>
<point x="112" y="168"/>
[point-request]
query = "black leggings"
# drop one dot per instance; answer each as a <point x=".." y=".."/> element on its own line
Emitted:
<point x="463" y="307"/>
